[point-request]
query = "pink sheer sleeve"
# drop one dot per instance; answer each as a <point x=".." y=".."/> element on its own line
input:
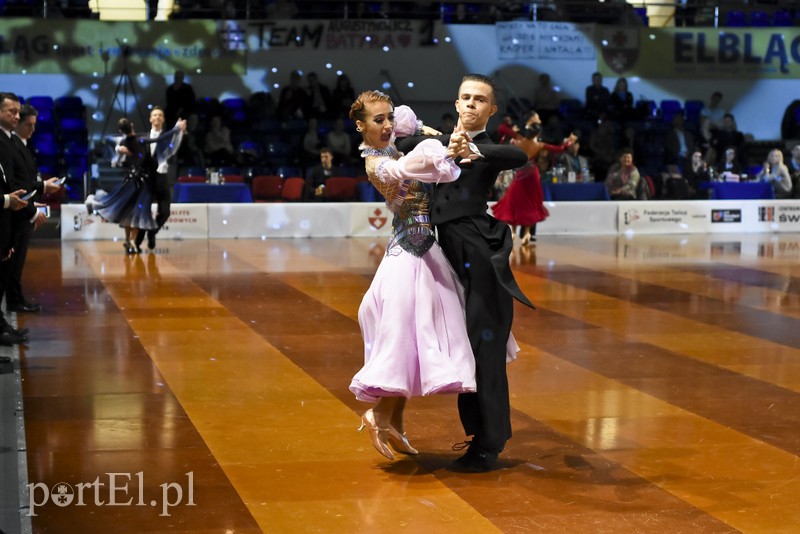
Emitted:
<point x="405" y="122"/>
<point x="428" y="162"/>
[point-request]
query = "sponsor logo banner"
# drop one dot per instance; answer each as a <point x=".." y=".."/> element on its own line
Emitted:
<point x="700" y="53"/>
<point x="726" y="216"/>
<point x="544" y="40"/>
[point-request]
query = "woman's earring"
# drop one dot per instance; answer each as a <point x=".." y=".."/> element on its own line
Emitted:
<point x="359" y="129"/>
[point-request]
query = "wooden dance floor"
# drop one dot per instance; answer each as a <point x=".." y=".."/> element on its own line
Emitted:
<point x="205" y="389"/>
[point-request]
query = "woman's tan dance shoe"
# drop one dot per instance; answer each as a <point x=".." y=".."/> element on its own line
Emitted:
<point x="378" y="436"/>
<point x="399" y="442"/>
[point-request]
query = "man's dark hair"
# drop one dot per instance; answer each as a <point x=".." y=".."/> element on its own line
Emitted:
<point x="27" y="111"/>
<point x="473" y="77"/>
<point x="125" y="126"/>
<point x="8" y="96"/>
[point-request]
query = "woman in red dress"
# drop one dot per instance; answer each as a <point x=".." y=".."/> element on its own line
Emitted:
<point x="523" y="202"/>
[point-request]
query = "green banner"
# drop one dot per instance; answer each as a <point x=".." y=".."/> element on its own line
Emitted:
<point x="93" y="46"/>
<point x="698" y="53"/>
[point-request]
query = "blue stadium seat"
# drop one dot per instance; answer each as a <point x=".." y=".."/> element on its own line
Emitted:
<point x="41" y="102"/>
<point x="669" y="108"/>
<point x="693" y="108"/>
<point x="760" y="19"/>
<point x="782" y="18"/>
<point x="736" y="19"/>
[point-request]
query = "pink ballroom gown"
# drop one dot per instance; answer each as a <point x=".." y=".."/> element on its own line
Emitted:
<point x="412" y="316"/>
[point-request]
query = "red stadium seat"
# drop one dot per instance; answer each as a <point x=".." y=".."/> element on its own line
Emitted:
<point x="292" y="190"/>
<point x="341" y="189"/>
<point x="267" y="188"/>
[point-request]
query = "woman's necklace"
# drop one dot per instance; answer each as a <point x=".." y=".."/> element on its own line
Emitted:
<point x="388" y="152"/>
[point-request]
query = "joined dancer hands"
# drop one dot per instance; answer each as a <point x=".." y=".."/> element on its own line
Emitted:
<point x="461" y="145"/>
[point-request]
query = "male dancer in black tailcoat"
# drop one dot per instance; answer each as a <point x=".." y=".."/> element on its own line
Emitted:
<point x="478" y="247"/>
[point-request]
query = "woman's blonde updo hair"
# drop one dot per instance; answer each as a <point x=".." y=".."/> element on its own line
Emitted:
<point x="358" y="109"/>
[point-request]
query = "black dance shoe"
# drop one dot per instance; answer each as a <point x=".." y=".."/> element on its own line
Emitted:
<point x="475" y="460"/>
<point x="5" y="327"/>
<point x="7" y="339"/>
<point x="25" y="307"/>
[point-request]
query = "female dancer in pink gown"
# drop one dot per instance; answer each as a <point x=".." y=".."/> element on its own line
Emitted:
<point x="412" y="316"/>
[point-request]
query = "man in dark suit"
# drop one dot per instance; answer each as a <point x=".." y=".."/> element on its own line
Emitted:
<point x="478" y="247"/>
<point x="9" y="117"/>
<point x="316" y="176"/>
<point x="26" y="220"/>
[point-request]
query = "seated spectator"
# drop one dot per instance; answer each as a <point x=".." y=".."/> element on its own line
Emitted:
<point x="316" y="176"/>
<point x="794" y="171"/>
<point x="190" y="153"/>
<point x="338" y="140"/>
<point x="597" y="98"/>
<point x="623" y="177"/>
<point x="678" y="143"/>
<point x="727" y="137"/>
<point x="572" y="161"/>
<point x="730" y="167"/>
<point x="217" y="147"/>
<point x="697" y="173"/>
<point x="776" y="173"/>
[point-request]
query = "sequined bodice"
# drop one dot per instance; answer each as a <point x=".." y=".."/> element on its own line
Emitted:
<point x="409" y="202"/>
